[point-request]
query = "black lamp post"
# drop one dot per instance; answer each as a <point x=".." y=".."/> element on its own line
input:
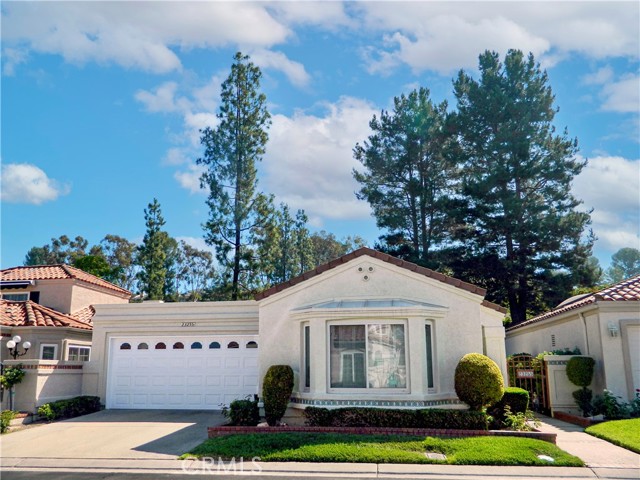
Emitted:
<point x="13" y="344"/>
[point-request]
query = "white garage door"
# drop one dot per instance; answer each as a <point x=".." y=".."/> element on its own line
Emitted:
<point x="199" y="372"/>
<point x="634" y="355"/>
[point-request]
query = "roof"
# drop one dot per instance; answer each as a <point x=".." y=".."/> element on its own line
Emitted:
<point x="625" y="291"/>
<point x="364" y="251"/>
<point x="31" y="314"/>
<point x="57" y="272"/>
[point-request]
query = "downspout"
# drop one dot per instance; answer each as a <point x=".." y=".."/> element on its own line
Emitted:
<point x="586" y="336"/>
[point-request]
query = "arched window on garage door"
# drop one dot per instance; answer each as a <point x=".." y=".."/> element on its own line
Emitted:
<point x="143" y="346"/>
<point x="178" y="346"/>
<point x="125" y="346"/>
<point x="252" y="345"/>
<point x="233" y="345"/>
<point x="214" y="345"/>
<point x="196" y="346"/>
<point x="160" y="346"/>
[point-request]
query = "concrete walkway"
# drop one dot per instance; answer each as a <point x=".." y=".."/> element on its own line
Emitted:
<point x="604" y="458"/>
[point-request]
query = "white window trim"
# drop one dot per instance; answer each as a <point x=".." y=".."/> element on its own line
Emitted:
<point x="306" y="327"/>
<point x="434" y="358"/>
<point x="367" y="389"/>
<point x="78" y="346"/>
<point x="55" y="350"/>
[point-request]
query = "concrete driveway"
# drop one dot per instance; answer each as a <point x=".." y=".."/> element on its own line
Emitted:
<point x="114" y="434"/>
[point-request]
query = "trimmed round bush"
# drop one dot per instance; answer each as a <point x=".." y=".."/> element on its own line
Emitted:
<point x="516" y="398"/>
<point x="478" y="381"/>
<point x="580" y="370"/>
<point x="276" y="392"/>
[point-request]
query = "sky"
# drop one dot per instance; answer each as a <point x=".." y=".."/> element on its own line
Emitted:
<point x="102" y="103"/>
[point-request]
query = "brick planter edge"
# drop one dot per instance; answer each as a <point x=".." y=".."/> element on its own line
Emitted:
<point x="426" y="432"/>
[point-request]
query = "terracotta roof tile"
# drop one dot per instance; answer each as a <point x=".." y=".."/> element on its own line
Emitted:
<point x="55" y="272"/>
<point x="385" y="258"/>
<point x="85" y="314"/>
<point x="625" y="291"/>
<point x="31" y="314"/>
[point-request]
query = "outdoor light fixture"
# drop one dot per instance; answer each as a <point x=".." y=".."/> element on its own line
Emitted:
<point x="12" y="345"/>
<point x="613" y="329"/>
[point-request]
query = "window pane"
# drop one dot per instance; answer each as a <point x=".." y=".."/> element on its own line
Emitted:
<point x="307" y="357"/>
<point x="429" y="356"/>
<point x="48" y="352"/>
<point x="387" y="363"/>
<point x="347" y="362"/>
<point x="73" y="353"/>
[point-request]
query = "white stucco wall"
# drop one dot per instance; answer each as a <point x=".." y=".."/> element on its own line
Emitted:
<point x="588" y="329"/>
<point x="158" y="319"/>
<point x="457" y="317"/>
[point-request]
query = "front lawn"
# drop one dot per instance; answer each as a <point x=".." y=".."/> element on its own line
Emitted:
<point x="326" y="447"/>
<point x="625" y="433"/>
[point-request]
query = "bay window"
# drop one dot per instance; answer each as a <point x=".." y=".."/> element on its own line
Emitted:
<point x="370" y="355"/>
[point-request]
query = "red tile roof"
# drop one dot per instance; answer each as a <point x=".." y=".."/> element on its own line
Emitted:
<point x="625" y="291"/>
<point x="31" y="314"/>
<point x="385" y="258"/>
<point x="55" y="272"/>
<point x="85" y="314"/>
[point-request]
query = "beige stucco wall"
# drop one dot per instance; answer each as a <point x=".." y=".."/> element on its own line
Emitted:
<point x="588" y="328"/>
<point x="155" y="318"/>
<point x="44" y="381"/>
<point x="69" y="295"/>
<point x="59" y="336"/>
<point x="457" y="317"/>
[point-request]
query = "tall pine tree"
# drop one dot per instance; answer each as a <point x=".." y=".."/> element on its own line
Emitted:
<point x="521" y="220"/>
<point x="231" y="151"/>
<point x="152" y="254"/>
<point x="407" y="178"/>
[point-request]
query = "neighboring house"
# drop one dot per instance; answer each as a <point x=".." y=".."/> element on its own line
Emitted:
<point x="365" y="329"/>
<point x="604" y="325"/>
<point x="51" y="307"/>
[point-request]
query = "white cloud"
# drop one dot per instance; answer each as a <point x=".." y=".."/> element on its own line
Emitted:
<point x="622" y="96"/>
<point x="444" y="36"/>
<point x="138" y="35"/>
<point x="599" y="77"/>
<point x="294" y="71"/>
<point x="163" y="99"/>
<point x="611" y="186"/>
<point x="190" y="178"/>
<point x="197" y="242"/>
<point x="26" y="183"/>
<point x="309" y="159"/>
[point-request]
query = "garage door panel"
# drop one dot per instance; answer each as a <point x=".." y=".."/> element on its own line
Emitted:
<point x="198" y="378"/>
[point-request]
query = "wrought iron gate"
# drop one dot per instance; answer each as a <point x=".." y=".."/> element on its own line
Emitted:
<point x="530" y="373"/>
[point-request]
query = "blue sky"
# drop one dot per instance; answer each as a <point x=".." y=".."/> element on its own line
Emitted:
<point x="102" y="103"/>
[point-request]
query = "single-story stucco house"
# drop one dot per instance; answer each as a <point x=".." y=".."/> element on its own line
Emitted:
<point x="604" y="325"/>
<point x="366" y="329"/>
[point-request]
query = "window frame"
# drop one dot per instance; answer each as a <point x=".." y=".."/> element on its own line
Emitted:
<point x="366" y="322"/>
<point x="430" y="363"/>
<point x="22" y="294"/>
<point x="55" y="351"/>
<point x="305" y="361"/>
<point x="79" y="347"/>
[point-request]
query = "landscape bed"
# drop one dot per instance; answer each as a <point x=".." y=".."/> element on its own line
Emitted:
<point x="334" y="447"/>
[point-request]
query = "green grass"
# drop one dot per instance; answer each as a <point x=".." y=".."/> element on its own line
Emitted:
<point x="625" y="433"/>
<point x="326" y="447"/>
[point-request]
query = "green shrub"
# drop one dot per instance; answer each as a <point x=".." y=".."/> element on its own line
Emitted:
<point x="5" y="419"/>
<point x="580" y="370"/>
<point x="243" y="412"/>
<point x="72" y="407"/>
<point x="381" y="417"/>
<point x="519" y="421"/>
<point x="611" y="406"/>
<point x="12" y="375"/>
<point x="478" y="381"/>
<point x="515" y="399"/>
<point x="276" y="392"/>
<point x="580" y="373"/>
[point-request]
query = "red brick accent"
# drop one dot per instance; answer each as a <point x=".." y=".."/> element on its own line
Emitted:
<point x="574" y="419"/>
<point x="422" y="432"/>
<point x="52" y="367"/>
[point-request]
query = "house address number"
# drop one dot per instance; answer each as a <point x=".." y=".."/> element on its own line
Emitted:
<point x="188" y="324"/>
<point x="525" y="373"/>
